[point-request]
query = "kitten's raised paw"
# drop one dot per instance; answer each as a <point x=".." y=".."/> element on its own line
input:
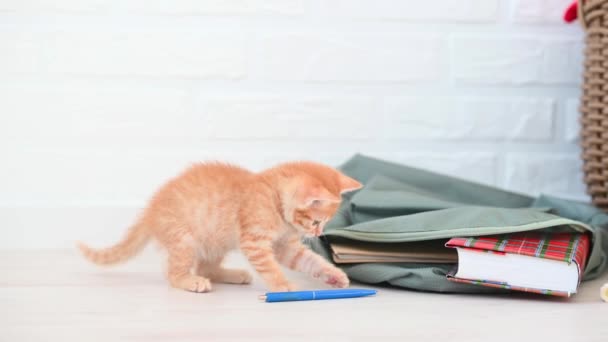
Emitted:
<point x="194" y="284"/>
<point x="335" y="278"/>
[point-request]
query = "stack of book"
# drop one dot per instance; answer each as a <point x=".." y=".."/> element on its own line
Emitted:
<point x="550" y="264"/>
<point x="433" y="251"/>
<point x="546" y="263"/>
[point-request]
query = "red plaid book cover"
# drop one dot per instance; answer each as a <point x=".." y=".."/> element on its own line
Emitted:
<point x="567" y="247"/>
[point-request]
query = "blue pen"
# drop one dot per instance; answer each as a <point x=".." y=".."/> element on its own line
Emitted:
<point x="271" y="297"/>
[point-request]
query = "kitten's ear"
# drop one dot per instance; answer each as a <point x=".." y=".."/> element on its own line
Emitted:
<point x="348" y="184"/>
<point x="316" y="195"/>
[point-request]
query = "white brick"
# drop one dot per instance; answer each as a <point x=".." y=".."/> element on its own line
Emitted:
<point x="517" y="61"/>
<point x="350" y="58"/>
<point x="86" y="177"/>
<point x="55" y="226"/>
<point x="83" y="177"/>
<point x="291" y="119"/>
<point x="217" y="7"/>
<point x="145" y="54"/>
<point x="205" y="7"/>
<point x="472" y="166"/>
<point x="469" y="118"/>
<point x="573" y="125"/>
<point x="20" y="52"/>
<point x="536" y="173"/>
<point x="92" y="115"/>
<point x="415" y="10"/>
<point x="152" y="116"/>
<point x="54" y="5"/>
<point x="540" y="11"/>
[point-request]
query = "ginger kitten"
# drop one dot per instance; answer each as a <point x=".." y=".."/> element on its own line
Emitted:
<point x="213" y="208"/>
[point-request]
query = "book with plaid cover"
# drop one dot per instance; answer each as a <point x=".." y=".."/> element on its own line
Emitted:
<point x="545" y="263"/>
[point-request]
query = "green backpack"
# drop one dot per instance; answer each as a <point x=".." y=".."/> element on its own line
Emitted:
<point x="400" y="204"/>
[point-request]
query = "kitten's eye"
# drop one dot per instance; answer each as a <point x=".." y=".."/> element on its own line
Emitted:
<point x="316" y="222"/>
<point x="315" y="203"/>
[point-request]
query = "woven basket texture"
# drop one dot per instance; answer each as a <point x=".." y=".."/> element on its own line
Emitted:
<point x="593" y="15"/>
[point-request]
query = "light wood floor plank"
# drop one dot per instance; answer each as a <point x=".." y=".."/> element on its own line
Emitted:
<point x="58" y="296"/>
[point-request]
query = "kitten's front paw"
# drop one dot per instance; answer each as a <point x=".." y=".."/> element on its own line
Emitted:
<point x="335" y="277"/>
<point x="194" y="284"/>
<point x="283" y="287"/>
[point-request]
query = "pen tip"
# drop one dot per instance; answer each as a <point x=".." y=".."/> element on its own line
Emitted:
<point x="262" y="297"/>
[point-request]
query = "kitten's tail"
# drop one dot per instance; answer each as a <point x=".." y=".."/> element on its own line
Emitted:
<point x="133" y="243"/>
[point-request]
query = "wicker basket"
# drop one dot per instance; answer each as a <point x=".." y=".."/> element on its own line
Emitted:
<point x="593" y="15"/>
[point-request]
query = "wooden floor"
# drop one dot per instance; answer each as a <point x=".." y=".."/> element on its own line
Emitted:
<point x="57" y="296"/>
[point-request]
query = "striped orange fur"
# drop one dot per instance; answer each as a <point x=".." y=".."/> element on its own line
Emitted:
<point x="213" y="208"/>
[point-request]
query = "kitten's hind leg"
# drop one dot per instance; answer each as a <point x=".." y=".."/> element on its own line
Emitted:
<point x="217" y="273"/>
<point x="180" y="264"/>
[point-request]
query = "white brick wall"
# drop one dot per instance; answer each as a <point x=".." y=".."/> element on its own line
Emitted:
<point x="469" y="119"/>
<point x="156" y="54"/>
<point x="415" y="10"/>
<point x="347" y="57"/>
<point x="497" y="59"/>
<point x="181" y="7"/>
<point x="539" y="11"/>
<point x="102" y="100"/>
